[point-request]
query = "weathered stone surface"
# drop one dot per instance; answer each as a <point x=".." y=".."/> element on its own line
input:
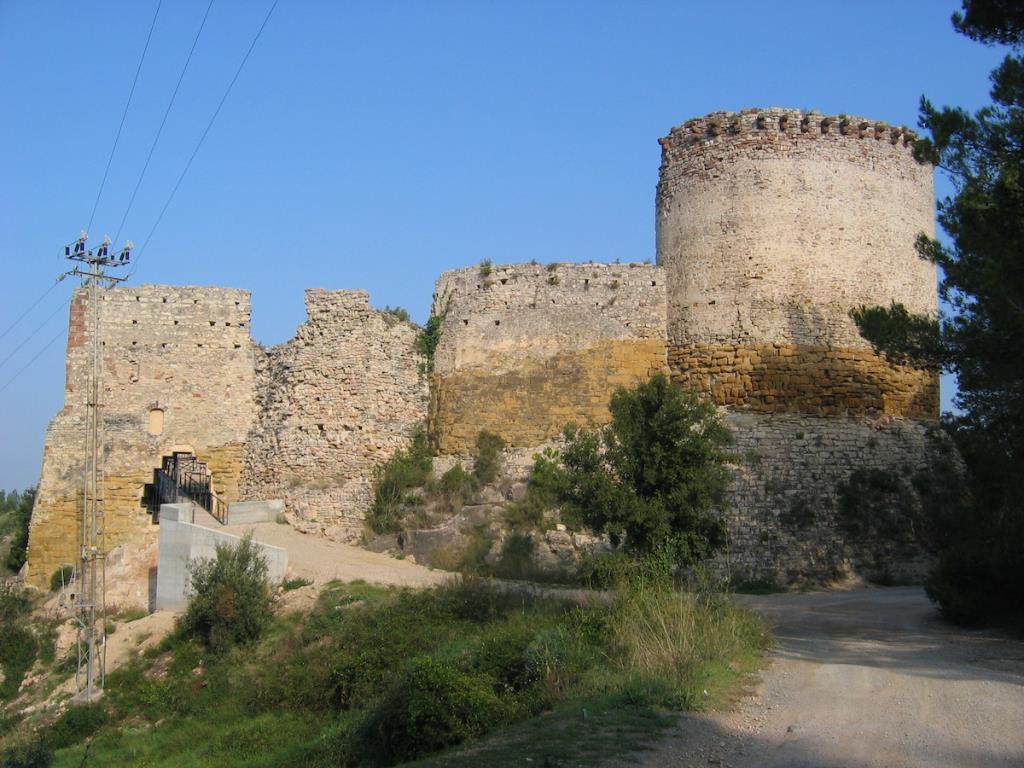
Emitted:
<point x="790" y="378"/>
<point x="183" y="350"/>
<point x="526" y="349"/>
<point x="334" y="402"/>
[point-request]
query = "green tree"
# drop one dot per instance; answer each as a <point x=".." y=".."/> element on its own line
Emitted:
<point x="15" y="518"/>
<point x="981" y="337"/>
<point x="654" y="475"/>
<point x="231" y="601"/>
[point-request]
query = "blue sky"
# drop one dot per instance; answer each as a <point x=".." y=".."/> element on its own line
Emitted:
<point x="375" y="144"/>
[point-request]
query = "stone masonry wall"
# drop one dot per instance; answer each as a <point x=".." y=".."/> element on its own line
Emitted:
<point x="184" y="350"/>
<point x="783" y="512"/>
<point x="772" y="225"/>
<point x="526" y="349"/>
<point x="335" y="401"/>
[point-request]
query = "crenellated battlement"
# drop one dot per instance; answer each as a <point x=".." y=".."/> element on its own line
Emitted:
<point x="788" y="123"/>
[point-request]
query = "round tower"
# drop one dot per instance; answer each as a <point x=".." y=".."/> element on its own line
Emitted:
<point x="772" y="225"/>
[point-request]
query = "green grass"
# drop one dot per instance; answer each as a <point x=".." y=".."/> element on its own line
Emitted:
<point x="585" y="731"/>
<point x="461" y="675"/>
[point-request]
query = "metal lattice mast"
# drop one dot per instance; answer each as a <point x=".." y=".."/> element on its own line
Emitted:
<point x="90" y="598"/>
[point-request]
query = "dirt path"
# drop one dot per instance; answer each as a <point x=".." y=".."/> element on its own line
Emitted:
<point x="870" y="678"/>
<point x="320" y="560"/>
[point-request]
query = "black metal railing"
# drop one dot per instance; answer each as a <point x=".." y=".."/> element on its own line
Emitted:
<point x="182" y="477"/>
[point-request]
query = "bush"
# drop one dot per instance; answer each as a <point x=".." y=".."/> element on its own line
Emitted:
<point x="487" y="457"/>
<point x="406" y="469"/>
<point x="456" y="487"/>
<point x="541" y="493"/>
<point x="516" y="560"/>
<point x="29" y="754"/>
<point x="426" y="343"/>
<point x="14" y="603"/>
<point x="75" y="725"/>
<point x="61" y="577"/>
<point x="297" y="583"/>
<point x="655" y="474"/>
<point x="432" y="706"/>
<point x="18" y="649"/>
<point x="230" y="601"/>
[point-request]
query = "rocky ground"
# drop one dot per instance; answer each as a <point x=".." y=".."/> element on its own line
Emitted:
<point x="866" y="678"/>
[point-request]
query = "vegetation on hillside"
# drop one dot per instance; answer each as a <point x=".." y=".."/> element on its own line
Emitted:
<point x="374" y="676"/>
<point x="980" y="571"/>
<point x="406" y="481"/>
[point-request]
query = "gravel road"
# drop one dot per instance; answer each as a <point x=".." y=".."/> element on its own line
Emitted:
<point x="865" y="678"/>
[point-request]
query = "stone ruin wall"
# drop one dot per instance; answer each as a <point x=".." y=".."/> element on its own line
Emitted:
<point x="526" y="349"/>
<point x="305" y="421"/>
<point x="772" y="226"/>
<point x="335" y="401"/>
<point x="184" y="350"/>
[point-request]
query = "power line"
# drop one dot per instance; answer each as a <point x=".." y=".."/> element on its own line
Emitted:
<point x="202" y="138"/>
<point x="124" y="115"/>
<point x="34" y="333"/>
<point x="35" y="357"/>
<point x="34" y="304"/>
<point x="163" y="122"/>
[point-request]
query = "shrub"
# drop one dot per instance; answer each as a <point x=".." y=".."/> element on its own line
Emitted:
<point x="14" y="603"/>
<point x="456" y="487"/>
<point x="399" y="313"/>
<point x="432" y="706"/>
<point x="75" y="725"/>
<point x="655" y="474"/>
<point x="61" y="577"/>
<point x="426" y="343"/>
<point x="230" y="601"/>
<point x="406" y="469"/>
<point x="28" y="754"/>
<point x="18" y="649"/>
<point x="289" y="584"/>
<point x="485" y="268"/>
<point x="487" y="457"/>
<point x="516" y="560"/>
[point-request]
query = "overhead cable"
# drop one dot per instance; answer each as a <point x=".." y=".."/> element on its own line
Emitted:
<point x="163" y="122"/>
<point x="34" y="304"/>
<point x="35" y="333"/>
<point x="124" y="115"/>
<point x="35" y="357"/>
<point x="202" y="138"/>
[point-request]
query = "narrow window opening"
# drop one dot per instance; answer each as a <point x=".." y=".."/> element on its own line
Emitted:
<point x="156" y="421"/>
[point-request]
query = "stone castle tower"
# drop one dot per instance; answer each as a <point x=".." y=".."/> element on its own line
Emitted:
<point x="771" y="226"/>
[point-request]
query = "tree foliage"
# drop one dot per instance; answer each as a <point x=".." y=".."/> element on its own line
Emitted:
<point x="981" y="338"/>
<point x="15" y="514"/>
<point x="653" y="475"/>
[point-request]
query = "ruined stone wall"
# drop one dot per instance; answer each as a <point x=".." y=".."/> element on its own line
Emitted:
<point x="526" y="349"/>
<point x="183" y="350"/>
<point x="784" y="515"/>
<point x="335" y="401"/>
<point x="772" y="225"/>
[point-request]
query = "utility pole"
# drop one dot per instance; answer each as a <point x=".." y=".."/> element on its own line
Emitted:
<point x="90" y="597"/>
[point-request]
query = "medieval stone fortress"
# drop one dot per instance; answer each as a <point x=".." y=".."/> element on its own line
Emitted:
<point x="772" y="225"/>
